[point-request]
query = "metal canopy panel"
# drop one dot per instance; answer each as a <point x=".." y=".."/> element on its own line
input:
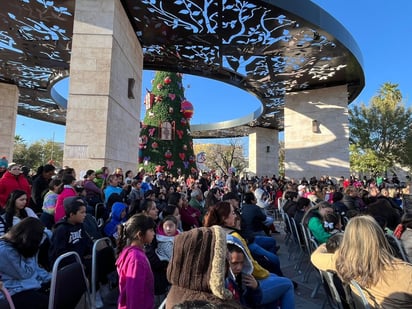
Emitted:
<point x="268" y="48"/>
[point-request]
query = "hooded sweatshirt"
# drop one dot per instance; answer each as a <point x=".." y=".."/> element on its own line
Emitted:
<point x="136" y="283"/>
<point x="69" y="237"/>
<point x="197" y="269"/>
<point x="245" y="295"/>
<point x="110" y="228"/>
<point x="18" y="273"/>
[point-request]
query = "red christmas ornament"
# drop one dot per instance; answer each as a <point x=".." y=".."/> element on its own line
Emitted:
<point x="187" y="109"/>
<point x="167" y="80"/>
<point x="182" y="156"/>
<point x="183" y="121"/>
<point x="191" y="159"/>
<point x="168" y="154"/>
<point x="155" y="145"/>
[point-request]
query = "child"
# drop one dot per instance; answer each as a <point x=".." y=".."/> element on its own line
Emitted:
<point x="240" y="280"/>
<point x="49" y="203"/>
<point x="70" y="235"/>
<point x="331" y="223"/>
<point x="118" y="216"/>
<point x="165" y="234"/>
<point x="136" y="283"/>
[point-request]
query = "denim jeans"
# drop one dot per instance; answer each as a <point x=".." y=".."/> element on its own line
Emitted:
<point x="257" y="249"/>
<point x="277" y="288"/>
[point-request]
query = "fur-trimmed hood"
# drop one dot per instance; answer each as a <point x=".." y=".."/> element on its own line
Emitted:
<point x="198" y="267"/>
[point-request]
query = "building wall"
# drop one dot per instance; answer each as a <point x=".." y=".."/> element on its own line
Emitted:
<point x="324" y="151"/>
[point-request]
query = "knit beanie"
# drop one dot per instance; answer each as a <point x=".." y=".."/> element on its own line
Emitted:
<point x="199" y="262"/>
<point x="3" y="162"/>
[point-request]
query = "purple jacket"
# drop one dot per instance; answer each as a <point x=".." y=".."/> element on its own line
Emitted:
<point x="136" y="283"/>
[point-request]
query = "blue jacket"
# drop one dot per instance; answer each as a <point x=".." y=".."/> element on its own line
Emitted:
<point x="110" y="228"/>
<point x="18" y="273"/>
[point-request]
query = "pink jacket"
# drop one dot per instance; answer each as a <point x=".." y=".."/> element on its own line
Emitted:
<point x="59" y="211"/>
<point x="136" y="280"/>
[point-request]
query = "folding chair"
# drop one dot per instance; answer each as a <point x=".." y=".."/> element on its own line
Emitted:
<point x="69" y="286"/>
<point x="103" y="267"/>
<point x="7" y="301"/>
<point x="357" y="296"/>
<point x="397" y="247"/>
<point x="333" y="296"/>
<point x="100" y="214"/>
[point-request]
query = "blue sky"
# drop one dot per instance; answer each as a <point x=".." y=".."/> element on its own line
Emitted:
<point x="381" y="28"/>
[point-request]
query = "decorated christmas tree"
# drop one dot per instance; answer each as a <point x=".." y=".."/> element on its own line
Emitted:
<point x="165" y="143"/>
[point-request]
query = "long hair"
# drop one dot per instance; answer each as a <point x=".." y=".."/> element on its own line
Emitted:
<point x="312" y="211"/>
<point x="128" y="230"/>
<point x="174" y="198"/>
<point x="26" y="236"/>
<point x="364" y="253"/>
<point x="217" y="214"/>
<point x="11" y="210"/>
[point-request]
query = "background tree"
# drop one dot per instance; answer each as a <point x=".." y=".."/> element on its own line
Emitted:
<point x="165" y="142"/>
<point x="39" y="153"/>
<point x="223" y="157"/>
<point x="281" y="158"/>
<point x="379" y="131"/>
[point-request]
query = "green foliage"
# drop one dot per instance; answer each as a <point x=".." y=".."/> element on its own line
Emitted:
<point x="36" y="154"/>
<point x="167" y="108"/>
<point x="379" y="132"/>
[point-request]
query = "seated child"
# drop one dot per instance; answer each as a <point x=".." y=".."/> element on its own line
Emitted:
<point x="165" y="234"/>
<point x="118" y="216"/>
<point x="240" y="281"/>
<point x="332" y="223"/>
<point x="69" y="233"/>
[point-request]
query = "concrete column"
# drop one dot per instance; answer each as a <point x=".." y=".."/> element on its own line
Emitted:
<point x="264" y="152"/>
<point x="9" y="97"/>
<point x="103" y="114"/>
<point x="317" y="133"/>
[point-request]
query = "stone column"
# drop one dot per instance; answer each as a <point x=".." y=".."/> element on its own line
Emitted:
<point x="103" y="114"/>
<point x="9" y="97"/>
<point x="317" y="133"/>
<point x="263" y="152"/>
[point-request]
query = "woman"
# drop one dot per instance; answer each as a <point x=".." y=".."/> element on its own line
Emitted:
<point x="273" y="287"/>
<point x="365" y="256"/>
<point x="15" y="211"/>
<point x="12" y="180"/>
<point x="19" y="269"/>
<point x="93" y="192"/>
<point x="314" y="218"/>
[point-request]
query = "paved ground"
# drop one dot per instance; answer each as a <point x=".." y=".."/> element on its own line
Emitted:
<point x="304" y="291"/>
<point x="304" y="299"/>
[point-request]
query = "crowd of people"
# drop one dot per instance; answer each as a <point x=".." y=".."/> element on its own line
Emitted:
<point x="168" y="230"/>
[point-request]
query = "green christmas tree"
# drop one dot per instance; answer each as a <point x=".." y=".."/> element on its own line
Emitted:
<point x="165" y="143"/>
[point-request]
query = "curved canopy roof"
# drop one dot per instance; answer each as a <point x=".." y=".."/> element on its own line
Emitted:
<point x="267" y="48"/>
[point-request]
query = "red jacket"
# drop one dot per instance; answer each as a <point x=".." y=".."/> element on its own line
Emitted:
<point x="9" y="183"/>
